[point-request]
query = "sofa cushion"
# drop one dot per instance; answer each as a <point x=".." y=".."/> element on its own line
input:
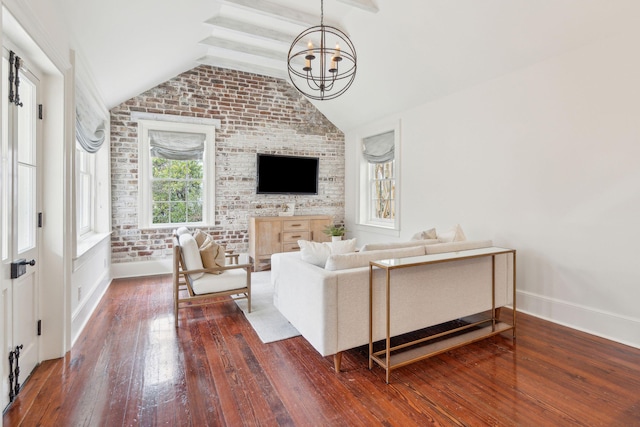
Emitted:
<point x="397" y="245"/>
<point x="191" y="255"/>
<point x="426" y="234"/>
<point x="361" y="259"/>
<point x="457" y="246"/>
<point x="453" y="234"/>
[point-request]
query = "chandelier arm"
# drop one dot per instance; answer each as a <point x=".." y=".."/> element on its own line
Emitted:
<point x="335" y="69"/>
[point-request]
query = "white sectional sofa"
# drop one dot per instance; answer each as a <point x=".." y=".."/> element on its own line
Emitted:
<point x="330" y="306"/>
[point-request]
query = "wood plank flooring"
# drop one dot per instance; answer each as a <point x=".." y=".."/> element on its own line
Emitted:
<point x="131" y="367"/>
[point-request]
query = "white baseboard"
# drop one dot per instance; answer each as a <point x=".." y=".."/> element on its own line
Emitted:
<point x="622" y="329"/>
<point x="83" y="313"/>
<point x="142" y="268"/>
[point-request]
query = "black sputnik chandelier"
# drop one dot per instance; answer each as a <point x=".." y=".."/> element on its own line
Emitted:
<point x="326" y="67"/>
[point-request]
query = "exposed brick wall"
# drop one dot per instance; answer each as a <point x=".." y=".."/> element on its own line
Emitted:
<point x="257" y="114"/>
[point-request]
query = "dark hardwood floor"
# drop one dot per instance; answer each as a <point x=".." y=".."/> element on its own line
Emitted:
<point x="131" y="368"/>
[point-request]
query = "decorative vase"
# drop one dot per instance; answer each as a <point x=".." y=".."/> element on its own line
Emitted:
<point x="336" y="238"/>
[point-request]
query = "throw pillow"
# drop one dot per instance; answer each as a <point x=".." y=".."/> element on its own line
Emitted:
<point x="200" y="237"/>
<point x="191" y="255"/>
<point x="342" y="246"/>
<point x="213" y="255"/>
<point x="454" y="234"/>
<point x="314" y="253"/>
<point x="424" y="235"/>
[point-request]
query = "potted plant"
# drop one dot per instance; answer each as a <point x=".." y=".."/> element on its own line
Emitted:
<point x="335" y="231"/>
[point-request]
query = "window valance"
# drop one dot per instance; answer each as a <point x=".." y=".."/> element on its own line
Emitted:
<point x="379" y="148"/>
<point x="90" y="126"/>
<point x="176" y="145"/>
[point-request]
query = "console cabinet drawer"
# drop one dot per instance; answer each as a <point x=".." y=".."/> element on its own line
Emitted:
<point x="290" y="247"/>
<point x="294" y="236"/>
<point x="295" y="225"/>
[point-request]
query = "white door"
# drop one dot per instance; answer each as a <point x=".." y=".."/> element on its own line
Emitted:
<point x="20" y="232"/>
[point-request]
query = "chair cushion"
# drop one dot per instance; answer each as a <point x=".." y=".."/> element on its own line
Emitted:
<point x="235" y="278"/>
<point x="191" y="255"/>
<point x="182" y="230"/>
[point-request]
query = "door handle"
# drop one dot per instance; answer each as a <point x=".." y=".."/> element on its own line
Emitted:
<point x="19" y="267"/>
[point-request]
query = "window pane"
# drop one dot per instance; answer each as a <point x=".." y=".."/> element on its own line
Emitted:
<point x="194" y="211"/>
<point x="26" y="207"/>
<point x="26" y="122"/>
<point x="176" y="191"/>
<point x="5" y="161"/>
<point x="161" y="213"/>
<point x="382" y="191"/>
<point x="178" y="212"/>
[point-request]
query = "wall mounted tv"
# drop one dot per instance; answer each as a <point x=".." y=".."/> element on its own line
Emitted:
<point x="278" y="174"/>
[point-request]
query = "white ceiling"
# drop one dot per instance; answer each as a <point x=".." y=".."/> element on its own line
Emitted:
<point x="409" y="52"/>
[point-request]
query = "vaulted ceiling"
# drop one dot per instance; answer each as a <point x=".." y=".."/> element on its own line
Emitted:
<point x="409" y="52"/>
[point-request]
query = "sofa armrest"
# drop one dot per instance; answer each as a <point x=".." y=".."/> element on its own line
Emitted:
<point x="306" y="296"/>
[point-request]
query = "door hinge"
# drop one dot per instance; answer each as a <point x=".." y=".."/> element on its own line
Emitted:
<point x="39" y="327"/>
<point x="39" y="219"/>
<point x="40" y="111"/>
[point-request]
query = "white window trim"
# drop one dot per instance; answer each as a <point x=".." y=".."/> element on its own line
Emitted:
<point x="144" y="171"/>
<point x="363" y="206"/>
<point x="91" y="163"/>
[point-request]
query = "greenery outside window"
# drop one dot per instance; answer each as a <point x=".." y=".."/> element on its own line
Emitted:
<point x="177" y="172"/>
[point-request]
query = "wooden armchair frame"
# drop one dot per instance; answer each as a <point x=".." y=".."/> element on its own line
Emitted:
<point x="182" y="283"/>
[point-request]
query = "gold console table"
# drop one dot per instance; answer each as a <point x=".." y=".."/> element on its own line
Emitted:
<point x="474" y="330"/>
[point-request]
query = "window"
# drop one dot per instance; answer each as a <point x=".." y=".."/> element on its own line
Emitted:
<point x="382" y="184"/>
<point x="379" y="181"/>
<point x="85" y="191"/>
<point x="177" y="170"/>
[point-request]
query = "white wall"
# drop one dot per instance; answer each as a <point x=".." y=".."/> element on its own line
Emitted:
<point x="547" y="161"/>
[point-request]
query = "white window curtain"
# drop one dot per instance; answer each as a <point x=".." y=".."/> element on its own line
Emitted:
<point x="176" y="145"/>
<point x="379" y="148"/>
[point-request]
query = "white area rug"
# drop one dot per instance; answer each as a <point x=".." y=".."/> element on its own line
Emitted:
<point x="265" y="318"/>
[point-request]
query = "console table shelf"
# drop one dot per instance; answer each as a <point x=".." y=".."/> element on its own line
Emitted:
<point x="477" y="327"/>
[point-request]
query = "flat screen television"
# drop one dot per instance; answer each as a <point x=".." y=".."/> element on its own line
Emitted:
<point x="278" y="174"/>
